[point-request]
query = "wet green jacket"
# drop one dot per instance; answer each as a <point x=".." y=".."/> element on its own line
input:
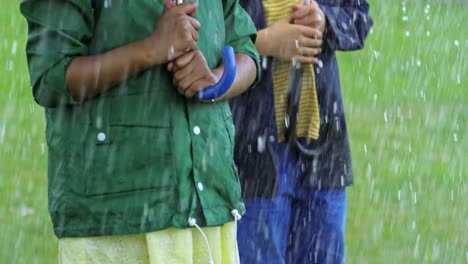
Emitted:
<point x="139" y="157"/>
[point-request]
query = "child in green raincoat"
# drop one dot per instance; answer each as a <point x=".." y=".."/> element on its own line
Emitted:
<point x="138" y="170"/>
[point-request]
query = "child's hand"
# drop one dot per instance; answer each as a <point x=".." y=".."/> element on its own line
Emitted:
<point x="309" y="15"/>
<point x="175" y="33"/>
<point x="191" y="74"/>
<point x="287" y="41"/>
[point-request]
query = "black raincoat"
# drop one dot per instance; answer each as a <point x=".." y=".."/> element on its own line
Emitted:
<point x="254" y="115"/>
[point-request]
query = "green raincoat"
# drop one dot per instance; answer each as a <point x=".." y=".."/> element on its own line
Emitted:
<point x="140" y="157"/>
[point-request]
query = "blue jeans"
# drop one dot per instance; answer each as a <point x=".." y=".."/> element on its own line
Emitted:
<point x="298" y="226"/>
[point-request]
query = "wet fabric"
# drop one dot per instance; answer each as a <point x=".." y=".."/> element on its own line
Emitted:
<point x="254" y="112"/>
<point x="296" y="205"/>
<point x="315" y="228"/>
<point x="299" y="226"/>
<point x="308" y="119"/>
<point x="139" y="157"/>
<point x="177" y="246"/>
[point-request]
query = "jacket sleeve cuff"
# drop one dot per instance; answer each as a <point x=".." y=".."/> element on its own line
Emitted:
<point x="50" y="89"/>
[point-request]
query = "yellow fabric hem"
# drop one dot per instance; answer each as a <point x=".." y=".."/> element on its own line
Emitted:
<point x="172" y="245"/>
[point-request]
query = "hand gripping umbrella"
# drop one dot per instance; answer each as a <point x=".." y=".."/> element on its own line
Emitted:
<point x="220" y="88"/>
<point x="309" y="148"/>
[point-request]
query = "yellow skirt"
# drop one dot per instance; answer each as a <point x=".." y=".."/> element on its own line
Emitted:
<point x="172" y="245"/>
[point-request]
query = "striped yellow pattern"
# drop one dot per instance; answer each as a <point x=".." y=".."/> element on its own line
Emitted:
<point x="308" y="122"/>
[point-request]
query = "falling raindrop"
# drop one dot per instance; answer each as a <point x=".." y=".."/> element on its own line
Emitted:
<point x="10" y="65"/>
<point x="171" y="54"/>
<point x="2" y="133"/>
<point x="376" y="54"/>
<point x="43" y="148"/>
<point x="427" y="8"/>
<point x="320" y="63"/>
<point x="264" y="62"/>
<point x="14" y="47"/>
<point x="107" y="3"/>
<point x="261" y="144"/>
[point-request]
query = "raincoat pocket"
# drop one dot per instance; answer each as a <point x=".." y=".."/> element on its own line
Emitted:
<point x="131" y="148"/>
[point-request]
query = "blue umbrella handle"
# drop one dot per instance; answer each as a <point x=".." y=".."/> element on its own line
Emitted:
<point x="220" y="88"/>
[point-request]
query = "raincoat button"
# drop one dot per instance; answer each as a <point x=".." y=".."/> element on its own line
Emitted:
<point x="200" y="186"/>
<point x="101" y="136"/>
<point x="196" y="130"/>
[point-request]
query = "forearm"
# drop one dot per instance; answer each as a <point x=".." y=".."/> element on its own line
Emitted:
<point x="89" y="76"/>
<point x="262" y="43"/>
<point x="245" y="75"/>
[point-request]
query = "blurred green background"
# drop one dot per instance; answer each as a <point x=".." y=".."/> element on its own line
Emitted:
<point x="406" y="97"/>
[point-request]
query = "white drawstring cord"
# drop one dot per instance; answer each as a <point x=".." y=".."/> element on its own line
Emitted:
<point x="193" y="222"/>
<point x="237" y="217"/>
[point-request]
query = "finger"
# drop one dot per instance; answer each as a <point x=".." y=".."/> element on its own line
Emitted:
<point x="300" y="11"/>
<point x="183" y="60"/>
<point x="295" y="7"/>
<point x="315" y="20"/>
<point x="308" y="20"/>
<point x="183" y="84"/>
<point x="188" y="79"/>
<point x="190" y="86"/>
<point x="170" y="66"/>
<point x="183" y="73"/>
<point x="170" y="3"/>
<point x="306" y="60"/>
<point x="181" y="90"/>
<point x="310" y="52"/>
<point x="311" y="32"/>
<point x="196" y="87"/>
<point x="188" y="8"/>
<point x="195" y="23"/>
<point x="194" y="34"/>
<point x="310" y="42"/>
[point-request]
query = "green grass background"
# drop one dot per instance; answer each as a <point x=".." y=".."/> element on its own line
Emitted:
<point x="407" y="108"/>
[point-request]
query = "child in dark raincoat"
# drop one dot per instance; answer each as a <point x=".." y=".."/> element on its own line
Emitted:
<point x="135" y="164"/>
<point x="296" y="197"/>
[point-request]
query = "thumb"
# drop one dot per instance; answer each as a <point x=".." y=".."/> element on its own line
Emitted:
<point x="295" y="7"/>
<point x="170" y="3"/>
<point x="189" y="9"/>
